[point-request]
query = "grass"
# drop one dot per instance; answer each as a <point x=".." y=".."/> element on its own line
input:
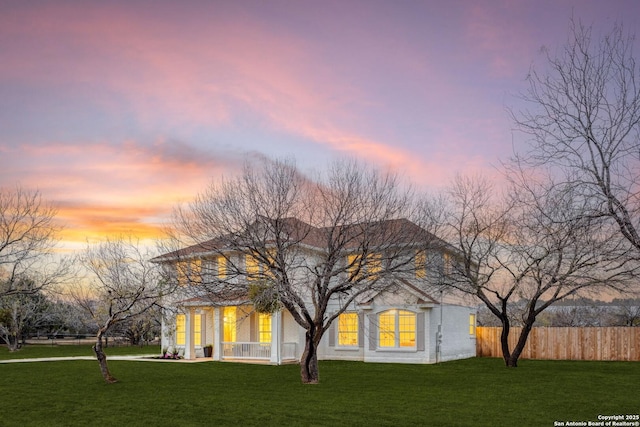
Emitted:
<point x="48" y="350"/>
<point x="474" y="392"/>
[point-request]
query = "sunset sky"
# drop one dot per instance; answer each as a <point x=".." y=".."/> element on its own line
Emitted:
<point x="118" y="110"/>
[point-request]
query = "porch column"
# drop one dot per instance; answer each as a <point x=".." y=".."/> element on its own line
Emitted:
<point x="276" y="338"/>
<point x="217" y="334"/>
<point x="189" y="347"/>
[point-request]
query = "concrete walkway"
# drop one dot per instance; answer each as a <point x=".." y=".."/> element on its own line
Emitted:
<point x="142" y="358"/>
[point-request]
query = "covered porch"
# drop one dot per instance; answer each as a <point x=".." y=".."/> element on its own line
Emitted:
<point x="232" y="333"/>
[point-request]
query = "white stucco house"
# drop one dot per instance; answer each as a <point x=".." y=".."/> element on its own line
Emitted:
<point x="409" y="321"/>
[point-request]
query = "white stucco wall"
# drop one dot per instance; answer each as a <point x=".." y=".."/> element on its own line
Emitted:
<point x="457" y="343"/>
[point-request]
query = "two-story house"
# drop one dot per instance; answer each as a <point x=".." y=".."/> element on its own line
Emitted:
<point x="410" y="320"/>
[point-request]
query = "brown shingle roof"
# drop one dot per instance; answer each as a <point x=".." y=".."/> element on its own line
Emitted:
<point x="388" y="232"/>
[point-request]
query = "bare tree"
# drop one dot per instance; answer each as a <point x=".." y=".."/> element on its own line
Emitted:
<point x="123" y="285"/>
<point x="21" y="311"/>
<point x="530" y="249"/>
<point x="28" y="236"/>
<point x="322" y="242"/>
<point x="584" y="122"/>
<point x="625" y="313"/>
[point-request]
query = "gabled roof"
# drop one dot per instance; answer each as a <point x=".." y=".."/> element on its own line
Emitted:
<point x="387" y="232"/>
<point x="422" y="296"/>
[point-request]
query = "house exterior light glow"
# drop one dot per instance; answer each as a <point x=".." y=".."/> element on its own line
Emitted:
<point x="398" y="323"/>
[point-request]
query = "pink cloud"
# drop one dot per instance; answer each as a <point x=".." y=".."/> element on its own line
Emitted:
<point x="104" y="188"/>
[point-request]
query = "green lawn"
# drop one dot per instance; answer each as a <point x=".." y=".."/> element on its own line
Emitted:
<point x="474" y="392"/>
<point x="48" y="350"/>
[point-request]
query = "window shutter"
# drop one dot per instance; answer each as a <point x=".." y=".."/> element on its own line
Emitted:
<point x="420" y="331"/>
<point x="253" y="335"/>
<point x="332" y="333"/>
<point x="373" y="332"/>
<point x="361" y="330"/>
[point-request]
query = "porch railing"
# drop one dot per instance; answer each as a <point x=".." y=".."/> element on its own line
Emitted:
<point x="289" y="351"/>
<point x="256" y="350"/>
<point x="246" y="350"/>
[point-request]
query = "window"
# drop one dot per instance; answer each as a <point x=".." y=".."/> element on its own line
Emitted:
<point x="222" y="268"/>
<point x="196" y="271"/>
<point x="372" y="265"/>
<point x="354" y="266"/>
<point x="229" y="321"/>
<point x="421" y="265"/>
<point x="189" y="272"/>
<point x="397" y="329"/>
<point x="264" y="327"/>
<point x="181" y="273"/>
<point x="448" y="265"/>
<point x="197" y="329"/>
<point x="348" y="329"/>
<point x="180" y="329"/>
<point x="472" y="324"/>
<point x="253" y="267"/>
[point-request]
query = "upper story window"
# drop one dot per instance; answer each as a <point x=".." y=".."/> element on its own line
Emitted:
<point x="189" y="272"/>
<point x="447" y="261"/>
<point x="348" y="329"/>
<point x="359" y="268"/>
<point x="397" y="329"/>
<point x="222" y="267"/>
<point x="253" y="267"/>
<point x="258" y="269"/>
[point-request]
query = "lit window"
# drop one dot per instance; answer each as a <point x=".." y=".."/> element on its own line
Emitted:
<point x="189" y="272"/>
<point x="472" y="324"/>
<point x="353" y="266"/>
<point x="374" y="265"/>
<point x="348" y="329"/>
<point x="397" y="329"/>
<point x="197" y="329"/>
<point x="253" y="267"/>
<point x="196" y="271"/>
<point x="421" y="265"/>
<point x="448" y="265"/>
<point x="222" y="268"/>
<point x="229" y="315"/>
<point x="264" y="327"/>
<point x="181" y="272"/>
<point x="180" y="329"/>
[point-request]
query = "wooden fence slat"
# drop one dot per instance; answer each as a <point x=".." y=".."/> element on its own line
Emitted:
<point x="565" y="343"/>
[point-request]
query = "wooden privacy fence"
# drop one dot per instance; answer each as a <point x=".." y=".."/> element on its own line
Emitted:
<point x="570" y="343"/>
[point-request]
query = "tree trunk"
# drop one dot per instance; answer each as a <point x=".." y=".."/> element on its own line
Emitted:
<point x="13" y="344"/>
<point x="512" y="362"/>
<point x="309" y="372"/>
<point x="504" y="340"/>
<point x="102" y="359"/>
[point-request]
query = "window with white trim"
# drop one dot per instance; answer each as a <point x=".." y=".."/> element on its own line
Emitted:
<point x="197" y="329"/>
<point x="472" y="324"/>
<point x="229" y="324"/>
<point x="348" y="329"/>
<point x="181" y="321"/>
<point x="396" y="329"/>
<point x="264" y="327"/>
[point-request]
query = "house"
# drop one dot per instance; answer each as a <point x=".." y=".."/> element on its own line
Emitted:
<point x="408" y="320"/>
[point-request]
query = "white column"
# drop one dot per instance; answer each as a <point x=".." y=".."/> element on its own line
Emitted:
<point x="276" y="338"/>
<point x="189" y="347"/>
<point x="217" y="334"/>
